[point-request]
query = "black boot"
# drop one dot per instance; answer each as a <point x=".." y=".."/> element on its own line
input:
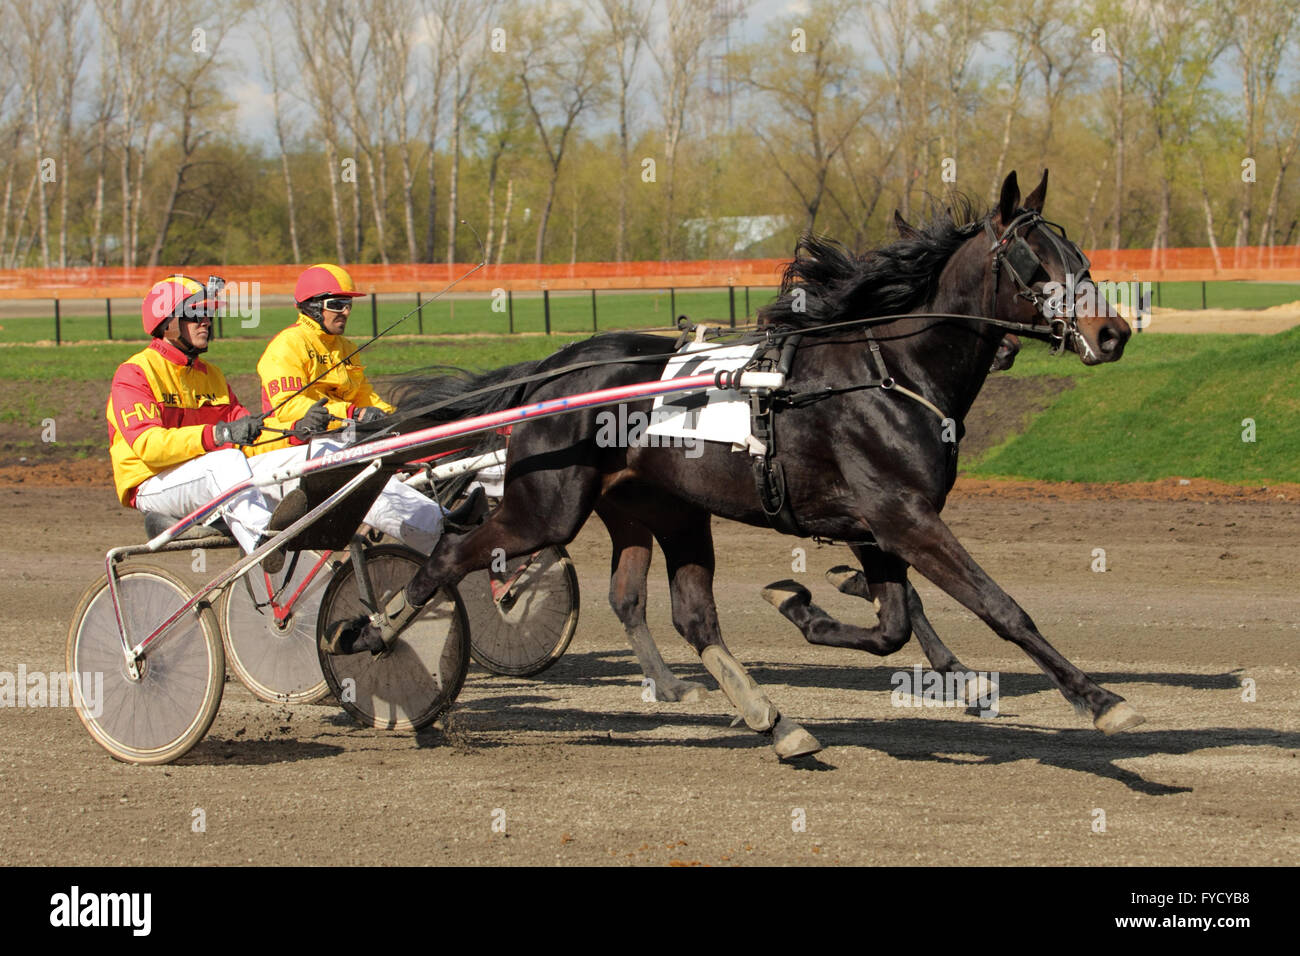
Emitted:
<point x="467" y="515"/>
<point x="292" y="507"/>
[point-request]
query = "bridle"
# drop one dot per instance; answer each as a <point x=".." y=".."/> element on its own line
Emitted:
<point x="1013" y="255"/>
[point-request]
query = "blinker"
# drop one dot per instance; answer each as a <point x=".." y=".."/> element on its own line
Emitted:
<point x="1023" y="260"/>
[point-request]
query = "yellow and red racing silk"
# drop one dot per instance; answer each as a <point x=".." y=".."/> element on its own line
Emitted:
<point x="160" y="413"/>
<point x="296" y="356"/>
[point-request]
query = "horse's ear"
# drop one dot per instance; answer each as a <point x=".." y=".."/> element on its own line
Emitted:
<point x="905" y="229"/>
<point x="1010" y="198"/>
<point x="1034" y="202"/>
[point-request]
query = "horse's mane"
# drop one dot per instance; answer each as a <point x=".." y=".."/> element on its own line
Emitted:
<point x="896" y="278"/>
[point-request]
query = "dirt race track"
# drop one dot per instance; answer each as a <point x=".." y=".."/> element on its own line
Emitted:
<point x="1198" y="596"/>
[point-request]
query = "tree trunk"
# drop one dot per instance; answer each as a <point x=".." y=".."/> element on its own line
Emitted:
<point x="126" y="204"/>
<point x="378" y="207"/>
<point x="505" y="221"/>
<point x="620" y="239"/>
<point x="546" y="214"/>
<point x="408" y="201"/>
<point x="336" y="205"/>
<point x="1270" y="217"/>
<point x="358" y="228"/>
<point x="492" y="202"/>
<point x="453" y="190"/>
<point x="1209" y="226"/>
<point x="1119" y="153"/>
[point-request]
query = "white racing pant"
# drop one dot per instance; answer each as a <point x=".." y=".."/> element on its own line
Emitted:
<point x="400" y="511"/>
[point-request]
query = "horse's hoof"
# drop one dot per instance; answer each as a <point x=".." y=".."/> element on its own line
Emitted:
<point x="790" y="740"/>
<point x="844" y="578"/>
<point x="1119" y="717"/>
<point x="342" y="636"/>
<point x="778" y="592"/>
<point x="682" y="691"/>
<point x="694" y="693"/>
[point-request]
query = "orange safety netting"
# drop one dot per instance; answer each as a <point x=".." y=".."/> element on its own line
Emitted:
<point x="1281" y="263"/>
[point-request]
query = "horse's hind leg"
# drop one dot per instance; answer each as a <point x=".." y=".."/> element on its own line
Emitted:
<point x="629" y="571"/>
<point x="687" y="544"/>
<point x="515" y="528"/>
<point x="920" y="537"/>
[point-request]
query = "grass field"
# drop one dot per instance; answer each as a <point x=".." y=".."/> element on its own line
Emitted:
<point x="1175" y="405"/>
<point x="570" y="312"/>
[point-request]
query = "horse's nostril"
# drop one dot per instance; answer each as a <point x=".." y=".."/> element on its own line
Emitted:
<point x="1108" y="339"/>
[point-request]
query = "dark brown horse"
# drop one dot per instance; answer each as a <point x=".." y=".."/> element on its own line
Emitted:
<point x="864" y="464"/>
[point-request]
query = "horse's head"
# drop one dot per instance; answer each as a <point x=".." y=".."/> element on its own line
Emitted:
<point x="1039" y="277"/>
<point x="1009" y="347"/>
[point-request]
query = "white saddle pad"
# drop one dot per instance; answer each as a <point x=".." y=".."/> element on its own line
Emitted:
<point x="713" y="415"/>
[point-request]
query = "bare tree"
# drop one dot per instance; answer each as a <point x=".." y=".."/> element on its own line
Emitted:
<point x="561" y="72"/>
<point x="1287" y="143"/>
<point x="949" y="35"/>
<point x="505" y="123"/>
<point x="36" y="33"/>
<point x="190" y="89"/>
<point x="322" y="86"/>
<point x="802" y="116"/>
<point x="627" y="23"/>
<point x="465" y="31"/>
<point x="266" y="46"/>
<point x="391" y="22"/>
<point x="1261" y="34"/>
<point x="679" y="50"/>
<point x="893" y="26"/>
<point x="71" y="55"/>
<point x="1172" y="71"/>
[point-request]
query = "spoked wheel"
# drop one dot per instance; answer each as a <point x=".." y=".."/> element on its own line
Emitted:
<point x="417" y="679"/>
<point x="268" y="624"/>
<point x="167" y="710"/>
<point x="526" y="626"/>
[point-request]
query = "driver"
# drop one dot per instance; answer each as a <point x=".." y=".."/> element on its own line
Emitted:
<point x="310" y="382"/>
<point x="174" y="426"/>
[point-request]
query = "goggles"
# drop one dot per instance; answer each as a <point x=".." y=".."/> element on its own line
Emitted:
<point x="337" y="304"/>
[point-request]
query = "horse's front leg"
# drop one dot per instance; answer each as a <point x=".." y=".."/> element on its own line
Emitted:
<point x="916" y="533"/>
<point x="849" y="580"/>
<point x="884" y="583"/>
<point x="628" y="588"/>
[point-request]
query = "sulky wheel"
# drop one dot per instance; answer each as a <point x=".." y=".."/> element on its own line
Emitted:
<point x="269" y="628"/>
<point x="526" y="627"/>
<point x="167" y="710"/>
<point x="417" y="679"/>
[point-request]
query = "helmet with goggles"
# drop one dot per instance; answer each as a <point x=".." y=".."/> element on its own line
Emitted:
<point x="179" y="296"/>
<point x="324" y="285"/>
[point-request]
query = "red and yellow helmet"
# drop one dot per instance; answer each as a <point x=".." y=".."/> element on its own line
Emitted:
<point x="176" y="295"/>
<point x="324" y="279"/>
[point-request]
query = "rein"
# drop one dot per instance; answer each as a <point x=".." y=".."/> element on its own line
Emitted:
<point x="1011" y="253"/>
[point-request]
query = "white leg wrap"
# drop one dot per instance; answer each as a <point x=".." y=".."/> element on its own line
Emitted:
<point x="758" y="712"/>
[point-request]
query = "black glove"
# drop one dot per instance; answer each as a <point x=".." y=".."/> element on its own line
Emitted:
<point x="369" y="419"/>
<point x="241" y="431"/>
<point x="316" y="420"/>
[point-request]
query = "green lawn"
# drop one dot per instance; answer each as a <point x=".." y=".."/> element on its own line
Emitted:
<point x="1173" y="406"/>
<point x="1224" y="295"/>
<point x="388" y="356"/>
<point x="570" y="312"/>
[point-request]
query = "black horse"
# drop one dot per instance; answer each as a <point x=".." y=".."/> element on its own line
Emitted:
<point x="868" y="465"/>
